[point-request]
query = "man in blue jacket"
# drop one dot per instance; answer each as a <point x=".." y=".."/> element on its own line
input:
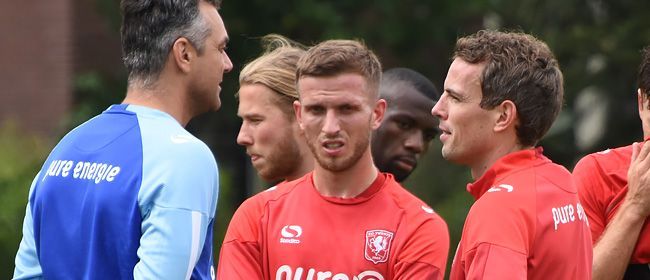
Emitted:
<point x="130" y="194"/>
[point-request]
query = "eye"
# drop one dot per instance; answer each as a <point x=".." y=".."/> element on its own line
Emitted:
<point x="404" y="125"/>
<point x="315" y="110"/>
<point x="346" y="109"/>
<point x="430" y="134"/>
<point x="255" y="120"/>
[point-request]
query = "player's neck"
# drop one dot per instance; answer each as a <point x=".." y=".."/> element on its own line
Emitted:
<point x="305" y="166"/>
<point x="347" y="183"/>
<point x="161" y="97"/>
<point x="493" y="156"/>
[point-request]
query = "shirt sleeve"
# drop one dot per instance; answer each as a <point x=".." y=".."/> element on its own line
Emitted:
<point x="241" y="256"/>
<point x="177" y="202"/>
<point x="490" y="261"/>
<point x="424" y="255"/>
<point x="585" y="176"/>
<point x="27" y="264"/>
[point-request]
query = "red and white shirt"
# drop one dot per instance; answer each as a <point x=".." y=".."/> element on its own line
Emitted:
<point x="526" y="223"/>
<point x="293" y="232"/>
<point x="601" y="179"/>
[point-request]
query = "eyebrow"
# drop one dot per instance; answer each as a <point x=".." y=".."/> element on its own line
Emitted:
<point x="451" y="91"/>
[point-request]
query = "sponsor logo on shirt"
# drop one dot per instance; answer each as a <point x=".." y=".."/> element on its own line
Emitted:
<point x="568" y="214"/>
<point x="97" y="172"/>
<point x="290" y="234"/>
<point x="378" y="245"/>
<point x="502" y="187"/>
<point x="286" y="272"/>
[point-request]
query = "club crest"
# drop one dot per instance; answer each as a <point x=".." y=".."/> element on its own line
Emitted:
<point x="378" y="245"/>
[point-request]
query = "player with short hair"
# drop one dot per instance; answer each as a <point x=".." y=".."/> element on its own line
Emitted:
<point x="130" y="194"/>
<point x="501" y="95"/>
<point x="344" y="220"/>
<point x="408" y="126"/>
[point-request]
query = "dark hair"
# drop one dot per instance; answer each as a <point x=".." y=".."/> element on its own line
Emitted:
<point x="413" y="78"/>
<point x="333" y="57"/>
<point x="643" y="79"/>
<point x="519" y="68"/>
<point x="149" y="29"/>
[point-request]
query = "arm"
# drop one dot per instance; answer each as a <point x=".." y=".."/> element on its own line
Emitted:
<point x="241" y="252"/>
<point x="424" y="256"/>
<point x="613" y="250"/>
<point x="171" y="243"/>
<point x="27" y="264"/>
<point x="490" y="261"/>
<point x="177" y="201"/>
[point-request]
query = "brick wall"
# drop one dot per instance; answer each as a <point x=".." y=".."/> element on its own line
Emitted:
<point x="35" y="63"/>
<point x="43" y="46"/>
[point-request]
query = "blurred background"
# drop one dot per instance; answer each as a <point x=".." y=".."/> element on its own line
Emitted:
<point x="60" y="65"/>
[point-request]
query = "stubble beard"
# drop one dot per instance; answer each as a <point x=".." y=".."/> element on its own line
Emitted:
<point x="283" y="161"/>
<point x="338" y="164"/>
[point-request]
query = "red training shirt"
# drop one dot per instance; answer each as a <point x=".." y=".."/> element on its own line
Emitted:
<point x="526" y="223"/>
<point x="293" y="232"/>
<point x="601" y="179"/>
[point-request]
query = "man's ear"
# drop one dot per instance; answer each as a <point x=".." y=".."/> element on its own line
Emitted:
<point x="298" y="112"/>
<point x="507" y="116"/>
<point x="378" y="113"/>
<point x="642" y="101"/>
<point x="182" y="54"/>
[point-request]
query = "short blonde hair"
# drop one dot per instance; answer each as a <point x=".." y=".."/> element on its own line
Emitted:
<point x="333" y="57"/>
<point x="276" y="69"/>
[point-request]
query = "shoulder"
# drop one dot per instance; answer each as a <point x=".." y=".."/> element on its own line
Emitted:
<point x="258" y="201"/>
<point x="602" y="171"/>
<point x="604" y="162"/>
<point x="176" y="147"/>
<point x="503" y="216"/>
<point x="414" y="208"/>
<point x="244" y="225"/>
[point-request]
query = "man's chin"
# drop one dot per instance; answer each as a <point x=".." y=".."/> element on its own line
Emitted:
<point x="400" y="175"/>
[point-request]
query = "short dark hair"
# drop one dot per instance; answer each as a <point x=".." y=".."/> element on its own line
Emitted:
<point x="333" y="57"/>
<point x="421" y="83"/>
<point x="150" y="27"/>
<point x="643" y="79"/>
<point x="519" y="68"/>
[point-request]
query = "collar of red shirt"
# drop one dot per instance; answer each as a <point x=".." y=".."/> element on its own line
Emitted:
<point x="504" y="166"/>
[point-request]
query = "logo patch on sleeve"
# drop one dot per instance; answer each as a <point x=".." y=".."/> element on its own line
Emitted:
<point x="378" y="245"/>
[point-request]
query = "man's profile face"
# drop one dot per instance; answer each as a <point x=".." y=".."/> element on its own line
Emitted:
<point x="269" y="134"/>
<point x="406" y="131"/>
<point x="212" y="63"/>
<point x="466" y="129"/>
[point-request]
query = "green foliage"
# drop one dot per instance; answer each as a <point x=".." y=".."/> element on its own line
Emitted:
<point x="93" y="93"/>
<point x="21" y="155"/>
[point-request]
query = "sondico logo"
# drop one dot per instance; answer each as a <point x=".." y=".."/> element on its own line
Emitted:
<point x="290" y="234"/>
<point x="285" y="272"/>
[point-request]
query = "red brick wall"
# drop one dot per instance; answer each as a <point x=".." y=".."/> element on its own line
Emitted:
<point x="35" y="63"/>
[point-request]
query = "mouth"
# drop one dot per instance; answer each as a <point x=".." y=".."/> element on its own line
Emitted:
<point x="254" y="157"/>
<point x="444" y="133"/>
<point x="333" y="147"/>
<point x="406" y="163"/>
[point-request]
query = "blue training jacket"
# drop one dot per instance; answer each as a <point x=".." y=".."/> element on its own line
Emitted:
<point x="130" y="194"/>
